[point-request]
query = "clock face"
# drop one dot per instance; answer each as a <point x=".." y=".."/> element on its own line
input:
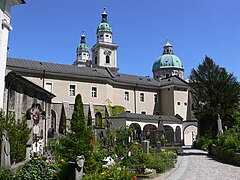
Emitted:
<point x="108" y="52"/>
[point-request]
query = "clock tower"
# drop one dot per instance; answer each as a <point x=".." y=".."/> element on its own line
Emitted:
<point x="104" y="52"/>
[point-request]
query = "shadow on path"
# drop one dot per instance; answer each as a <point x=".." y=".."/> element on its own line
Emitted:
<point x="197" y="152"/>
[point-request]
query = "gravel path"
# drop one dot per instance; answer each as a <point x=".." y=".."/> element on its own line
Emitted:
<point x="197" y="165"/>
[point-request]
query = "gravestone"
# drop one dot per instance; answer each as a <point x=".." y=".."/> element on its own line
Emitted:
<point x="5" y="153"/>
<point x="145" y="145"/>
<point x="158" y="146"/>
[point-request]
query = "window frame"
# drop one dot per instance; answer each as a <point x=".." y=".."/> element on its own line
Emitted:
<point x="69" y="90"/>
<point x="96" y="92"/>
<point x="141" y="97"/>
<point x="51" y="86"/>
<point x="126" y="94"/>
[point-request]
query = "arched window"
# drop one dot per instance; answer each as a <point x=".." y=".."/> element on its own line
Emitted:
<point x="107" y="59"/>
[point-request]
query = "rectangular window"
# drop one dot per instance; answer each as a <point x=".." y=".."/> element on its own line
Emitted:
<point x="143" y="112"/>
<point x="126" y="96"/>
<point x="141" y="97"/>
<point x="72" y="90"/>
<point x="48" y="87"/>
<point x="94" y="92"/>
<point x="155" y="98"/>
<point x="178" y="103"/>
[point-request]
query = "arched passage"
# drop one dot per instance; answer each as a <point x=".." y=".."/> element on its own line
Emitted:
<point x="190" y="133"/>
<point x="149" y="132"/>
<point x="137" y="131"/>
<point x="169" y="135"/>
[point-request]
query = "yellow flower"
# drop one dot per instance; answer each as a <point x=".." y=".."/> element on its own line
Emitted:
<point x="104" y="173"/>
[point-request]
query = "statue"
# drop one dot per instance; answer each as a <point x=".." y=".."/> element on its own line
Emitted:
<point x="5" y="154"/>
<point x="219" y="121"/>
<point x="79" y="167"/>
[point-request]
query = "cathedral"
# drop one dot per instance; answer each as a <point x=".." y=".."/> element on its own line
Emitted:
<point x="96" y="76"/>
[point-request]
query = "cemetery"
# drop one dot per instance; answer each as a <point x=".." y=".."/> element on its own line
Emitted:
<point x="114" y="151"/>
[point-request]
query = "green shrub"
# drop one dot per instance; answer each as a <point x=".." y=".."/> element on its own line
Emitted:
<point x="203" y="143"/>
<point x="37" y="169"/>
<point x="18" y="132"/>
<point x="6" y="173"/>
<point x="114" y="173"/>
<point x="162" y="161"/>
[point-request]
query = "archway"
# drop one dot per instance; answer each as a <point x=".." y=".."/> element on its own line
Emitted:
<point x="190" y="133"/>
<point x="169" y="135"/>
<point x="149" y="132"/>
<point x="137" y="131"/>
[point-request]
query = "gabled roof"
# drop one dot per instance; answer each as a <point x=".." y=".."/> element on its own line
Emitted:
<point x="33" y="66"/>
<point x="146" y="118"/>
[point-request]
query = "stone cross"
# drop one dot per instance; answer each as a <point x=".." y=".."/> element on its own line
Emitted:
<point x="5" y="153"/>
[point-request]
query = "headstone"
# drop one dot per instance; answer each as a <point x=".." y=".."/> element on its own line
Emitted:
<point x="79" y="167"/>
<point x="158" y="146"/>
<point x="5" y="153"/>
<point x="145" y="145"/>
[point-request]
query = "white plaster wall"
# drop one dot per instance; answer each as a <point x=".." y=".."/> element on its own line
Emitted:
<point x="3" y="53"/>
<point x="119" y="98"/>
<point x="102" y="57"/>
<point x="106" y="93"/>
<point x="148" y="104"/>
<point x="182" y="97"/>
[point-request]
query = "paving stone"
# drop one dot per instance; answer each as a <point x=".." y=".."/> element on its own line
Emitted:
<point x="197" y="165"/>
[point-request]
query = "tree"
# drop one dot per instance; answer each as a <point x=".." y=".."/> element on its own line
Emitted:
<point x="78" y="139"/>
<point x="215" y="91"/>
<point x="18" y="133"/>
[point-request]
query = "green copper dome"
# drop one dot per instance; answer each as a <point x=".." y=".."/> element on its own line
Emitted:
<point x="82" y="46"/>
<point x="104" y="26"/>
<point x="168" y="59"/>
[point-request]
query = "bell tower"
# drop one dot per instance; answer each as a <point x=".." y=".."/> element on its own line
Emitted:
<point x="104" y="52"/>
<point x="83" y="58"/>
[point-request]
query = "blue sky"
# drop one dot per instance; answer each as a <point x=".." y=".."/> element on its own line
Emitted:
<point x="50" y="30"/>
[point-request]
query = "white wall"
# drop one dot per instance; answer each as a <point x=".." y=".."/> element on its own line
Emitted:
<point x="3" y="53"/>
